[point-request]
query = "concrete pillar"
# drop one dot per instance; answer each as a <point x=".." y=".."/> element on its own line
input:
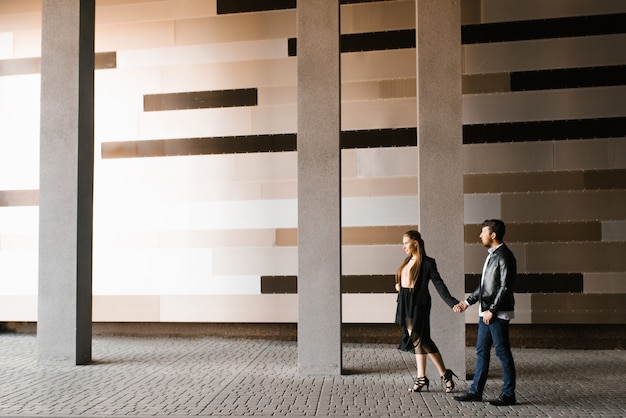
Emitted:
<point x="66" y="182"/>
<point x="440" y="165"/>
<point x="319" y="189"/>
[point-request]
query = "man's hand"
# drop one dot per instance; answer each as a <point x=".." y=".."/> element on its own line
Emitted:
<point x="487" y="316"/>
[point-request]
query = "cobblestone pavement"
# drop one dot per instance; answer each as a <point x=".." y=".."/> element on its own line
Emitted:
<point x="144" y="376"/>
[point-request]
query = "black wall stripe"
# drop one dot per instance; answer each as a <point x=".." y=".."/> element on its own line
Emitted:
<point x="537" y="283"/>
<point x="199" y="146"/>
<point x="244" y="6"/>
<point x="369" y="41"/>
<point x="568" y="78"/>
<point x="200" y="100"/>
<point x="544" y="28"/>
<point x="544" y="130"/>
<point x="21" y="66"/>
<point x="251" y="143"/>
<point x="402" y="137"/>
<point x="349" y="284"/>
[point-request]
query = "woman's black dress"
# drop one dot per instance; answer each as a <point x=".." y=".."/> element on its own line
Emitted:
<point x="413" y="310"/>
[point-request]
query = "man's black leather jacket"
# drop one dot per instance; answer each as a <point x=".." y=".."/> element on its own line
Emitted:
<point x="495" y="293"/>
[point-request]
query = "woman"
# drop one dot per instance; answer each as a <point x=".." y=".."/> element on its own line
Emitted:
<point x="413" y="311"/>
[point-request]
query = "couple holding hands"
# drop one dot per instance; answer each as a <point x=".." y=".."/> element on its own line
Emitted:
<point x="495" y="295"/>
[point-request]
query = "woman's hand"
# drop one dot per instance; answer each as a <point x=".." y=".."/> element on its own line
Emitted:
<point x="397" y="287"/>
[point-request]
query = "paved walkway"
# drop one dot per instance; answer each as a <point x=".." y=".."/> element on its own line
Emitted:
<point x="140" y="376"/>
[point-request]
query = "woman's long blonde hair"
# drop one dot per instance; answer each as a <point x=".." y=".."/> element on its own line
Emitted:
<point x="416" y="237"/>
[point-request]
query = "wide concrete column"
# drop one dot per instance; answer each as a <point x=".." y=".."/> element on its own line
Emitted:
<point x="319" y="188"/>
<point x="66" y="182"/>
<point x="440" y="165"/>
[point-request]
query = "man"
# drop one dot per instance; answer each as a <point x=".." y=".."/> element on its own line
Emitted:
<point x="495" y="294"/>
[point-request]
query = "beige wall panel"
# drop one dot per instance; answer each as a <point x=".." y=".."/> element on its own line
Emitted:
<point x="577" y="257"/>
<point x="196" y="123"/>
<point x="374" y="259"/>
<point x="508" y="158"/>
<point x="230" y="308"/>
<point x="360" y="91"/>
<point x="604" y="283"/>
<point x="127" y="84"/>
<point x="564" y="206"/>
<point x="378" y="16"/>
<point x="479" y="207"/>
<point x="202" y="54"/>
<point x="545" y="54"/>
<point x="388" y="235"/>
<point x="475" y="255"/>
<point x="614" y="231"/>
<point x="579" y="309"/>
<point x="523" y="310"/>
<point x="134" y="12"/>
<point x="135" y="36"/>
<point x="287" y="237"/>
<point x="513" y="10"/>
<point x="237" y="27"/>
<point x="406" y="87"/>
<point x="27" y="44"/>
<point x="379" y="114"/>
<point x="397" y="186"/>
<point x="278" y="261"/>
<point x="279" y="190"/>
<point x="369" y="308"/>
<point x="18" y="308"/>
<point x="348" y="163"/>
<point x="126" y="308"/>
<point x="486" y="83"/>
<point x="266" y="73"/>
<point x="586" y="103"/>
<point x="594" y="154"/>
<point x="17" y="21"/>
<point x="378" y="65"/>
<point x="274" y="119"/>
<point x="269" y="166"/>
<point x="20" y="6"/>
<point x="387" y="162"/>
<point x="379" y="211"/>
<point x="276" y="96"/>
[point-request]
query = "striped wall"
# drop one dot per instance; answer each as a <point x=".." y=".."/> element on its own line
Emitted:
<point x="196" y="156"/>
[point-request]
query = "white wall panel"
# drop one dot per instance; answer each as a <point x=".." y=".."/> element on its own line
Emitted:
<point x="274" y="119"/>
<point x="379" y="211"/>
<point x="19" y="308"/>
<point x="114" y="11"/>
<point x="369" y="308"/>
<point x="544" y="54"/>
<point x="276" y="261"/>
<point x="127" y="82"/>
<point x="581" y="103"/>
<point x="265" y="73"/>
<point x="120" y="37"/>
<point x="387" y="162"/>
<point x="478" y="207"/>
<point x="379" y="114"/>
<point x="249" y="214"/>
<point x="6" y="45"/>
<point x="20" y="272"/>
<point x="19" y="219"/>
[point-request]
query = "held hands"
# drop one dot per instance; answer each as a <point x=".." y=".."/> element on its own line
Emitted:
<point x="459" y="307"/>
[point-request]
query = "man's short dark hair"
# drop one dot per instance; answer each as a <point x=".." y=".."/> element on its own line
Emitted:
<point x="497" y="226"/>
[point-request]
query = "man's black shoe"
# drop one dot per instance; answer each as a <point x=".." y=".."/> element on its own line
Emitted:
<point x="503" y="400"/>
<point x="468" y="397"/>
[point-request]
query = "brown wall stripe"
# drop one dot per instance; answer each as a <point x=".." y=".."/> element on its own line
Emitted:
<point x="245" y="6"/>
<point x="367" y="41"/>
<point x="368" y="235"/>
<point x="537" y="283"/>
<point x="349" y="284"/>
<point x="199" y="146"/>
<point x="19" y="198"/>
<point x="543" y="232"/>
<point x="22" y="66"/>
<point x="569" y="78"/>
<point x="200" y="100"/>
<point x="545" y="181"/>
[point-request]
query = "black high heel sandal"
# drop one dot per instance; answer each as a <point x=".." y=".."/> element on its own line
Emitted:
<point x="447" y="381"/>
<point x="420" y="382"/>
